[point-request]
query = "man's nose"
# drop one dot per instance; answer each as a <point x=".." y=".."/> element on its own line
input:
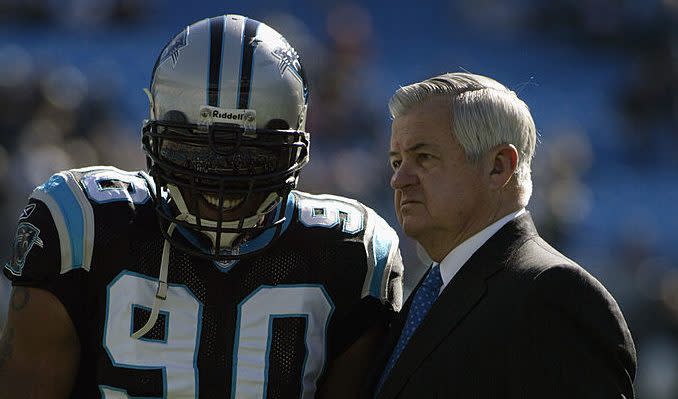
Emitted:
<point x="403" y="177"/>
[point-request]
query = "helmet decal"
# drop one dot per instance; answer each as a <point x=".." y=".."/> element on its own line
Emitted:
<point x="289" y="61"/>
<point x="173" y="49"/>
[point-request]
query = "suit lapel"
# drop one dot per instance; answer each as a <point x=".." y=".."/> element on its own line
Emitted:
<point x="445" y="314"/>
<point x="458" y="298"/>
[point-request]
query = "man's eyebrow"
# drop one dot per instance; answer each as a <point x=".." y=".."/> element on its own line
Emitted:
<point x="415" y="147"/>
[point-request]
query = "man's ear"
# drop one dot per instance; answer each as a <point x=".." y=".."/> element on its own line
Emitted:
<point x="504" y="162"/>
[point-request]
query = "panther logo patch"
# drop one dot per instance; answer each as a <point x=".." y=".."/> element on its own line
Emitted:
<point x="27" y="235"/>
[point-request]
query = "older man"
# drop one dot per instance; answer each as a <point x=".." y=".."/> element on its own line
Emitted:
<point x="500" y="313"/>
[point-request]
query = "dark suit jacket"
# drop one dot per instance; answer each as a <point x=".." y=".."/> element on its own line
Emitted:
<point x="519" y="320"/>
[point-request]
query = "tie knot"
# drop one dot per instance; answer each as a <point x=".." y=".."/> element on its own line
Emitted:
<point x="434" y="279"/>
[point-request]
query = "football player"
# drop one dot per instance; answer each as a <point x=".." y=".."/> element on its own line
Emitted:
<point x="209" y="276"/>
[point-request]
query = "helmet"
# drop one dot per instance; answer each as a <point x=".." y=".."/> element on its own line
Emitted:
<point x="225" y="140"/>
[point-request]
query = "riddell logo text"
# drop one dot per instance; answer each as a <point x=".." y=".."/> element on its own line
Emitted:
<point x="227" y="115"/>
<point x="237" y="116"/>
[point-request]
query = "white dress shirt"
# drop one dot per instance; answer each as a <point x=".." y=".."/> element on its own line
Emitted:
<point x="463" y="252"/>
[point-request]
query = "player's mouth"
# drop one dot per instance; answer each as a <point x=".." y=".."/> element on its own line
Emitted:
<point x="229" y="203"/>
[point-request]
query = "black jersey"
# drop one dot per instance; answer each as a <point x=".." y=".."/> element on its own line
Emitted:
<point x="260" y="327"/>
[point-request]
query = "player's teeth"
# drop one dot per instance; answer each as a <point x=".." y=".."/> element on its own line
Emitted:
<point x="228" y="203"/>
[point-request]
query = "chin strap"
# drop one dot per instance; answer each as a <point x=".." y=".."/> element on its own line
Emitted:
<point x="161" y="292"/>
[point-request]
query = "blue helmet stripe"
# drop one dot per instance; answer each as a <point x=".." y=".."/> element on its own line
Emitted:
<point x="248" y="46"/>
<point x="216" y="29"/>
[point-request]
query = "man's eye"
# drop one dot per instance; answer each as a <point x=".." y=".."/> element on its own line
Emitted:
<point x="424" y="157"/>
<point x="395" y="164"/>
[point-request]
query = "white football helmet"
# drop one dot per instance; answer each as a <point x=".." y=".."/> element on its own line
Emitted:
<point x="228" y="108"/>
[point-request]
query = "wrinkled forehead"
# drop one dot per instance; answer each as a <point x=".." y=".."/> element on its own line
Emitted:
<point x="431" y="126"/>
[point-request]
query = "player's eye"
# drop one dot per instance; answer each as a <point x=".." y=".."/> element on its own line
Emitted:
<point x="395" y="163"/>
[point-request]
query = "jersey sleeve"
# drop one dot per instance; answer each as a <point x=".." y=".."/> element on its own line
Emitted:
<point x="382" y="294"/>
<point x="384" y="278"/>
<point x="35" y="252"/>
<point x="53" y="241"/>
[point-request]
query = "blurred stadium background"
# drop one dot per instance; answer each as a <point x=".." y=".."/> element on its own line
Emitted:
<point x="600" y="77"/>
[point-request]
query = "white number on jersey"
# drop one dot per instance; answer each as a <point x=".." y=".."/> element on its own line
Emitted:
<point x="112" y="185"/>
<point x="176" y="355"/>
<point x="255" y="317"/>
<point x="328" y="211"/>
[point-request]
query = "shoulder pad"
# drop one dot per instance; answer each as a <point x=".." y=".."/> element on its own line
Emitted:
<point x="70" y="195"/>
<point x="383" y="278"/>
<point x="73" y="217"/>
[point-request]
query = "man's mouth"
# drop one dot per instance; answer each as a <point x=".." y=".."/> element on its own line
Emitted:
<point x="228" y="205"/>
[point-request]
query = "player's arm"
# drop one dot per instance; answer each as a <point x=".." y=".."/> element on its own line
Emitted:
<point x="39" y="348"/>
<point x="382" y="298"/>
<point x="346" y="374"/>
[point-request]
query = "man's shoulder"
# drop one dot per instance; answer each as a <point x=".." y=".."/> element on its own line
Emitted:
<point x="575" y="294"/>
<point x="539" y="268"/>
<point x="546" y="280"/>
<point x="535" y="255"/>
<point x="552" y="276"/>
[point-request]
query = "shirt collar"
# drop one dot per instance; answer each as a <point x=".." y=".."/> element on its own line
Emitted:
<point x="454" y="260"/>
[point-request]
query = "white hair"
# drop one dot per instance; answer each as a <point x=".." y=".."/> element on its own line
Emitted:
<point x="484" y="114"/>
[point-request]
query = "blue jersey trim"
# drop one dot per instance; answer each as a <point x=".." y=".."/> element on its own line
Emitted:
<point x="265" y="238"/>
<point x="257" y="243"/>
<point x="57" y="187"/>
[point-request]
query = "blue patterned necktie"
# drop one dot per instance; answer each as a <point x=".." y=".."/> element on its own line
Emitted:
<point x="423" y="299"/>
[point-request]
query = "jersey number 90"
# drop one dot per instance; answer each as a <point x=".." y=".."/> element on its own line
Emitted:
<point x="176" y="354"/>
